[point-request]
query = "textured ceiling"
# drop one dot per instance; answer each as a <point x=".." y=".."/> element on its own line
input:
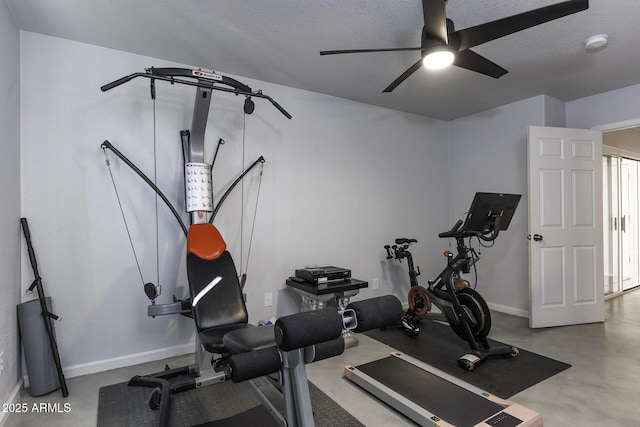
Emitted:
<point x="278" y="41"/>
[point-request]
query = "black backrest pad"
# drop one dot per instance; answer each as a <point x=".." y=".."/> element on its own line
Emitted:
<point x="223" y="304"/>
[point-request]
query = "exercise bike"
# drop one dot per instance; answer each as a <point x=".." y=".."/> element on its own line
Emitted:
<point x="461" y="306"/>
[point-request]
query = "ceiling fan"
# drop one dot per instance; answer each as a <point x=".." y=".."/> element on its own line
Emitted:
<point x="442" y="45"/>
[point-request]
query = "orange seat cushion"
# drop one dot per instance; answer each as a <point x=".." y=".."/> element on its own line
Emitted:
<point x="205" y="241"/>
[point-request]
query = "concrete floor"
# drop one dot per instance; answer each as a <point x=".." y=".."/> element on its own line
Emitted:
<point x="601" y="387"/>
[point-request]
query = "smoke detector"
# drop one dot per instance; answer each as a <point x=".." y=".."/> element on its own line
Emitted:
<point x="594" y="43"/>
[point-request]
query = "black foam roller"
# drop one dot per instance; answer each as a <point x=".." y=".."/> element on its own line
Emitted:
<point x="324" y="350"/>
<point x="377" y="312"/>
<point x="307" y="328"/>
<point x="254" y="364"/>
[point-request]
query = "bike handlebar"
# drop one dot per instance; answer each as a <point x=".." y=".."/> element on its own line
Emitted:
<point x="453" y="232"/>
<point x="388" y="249"/>
<point x="486" y="235"/>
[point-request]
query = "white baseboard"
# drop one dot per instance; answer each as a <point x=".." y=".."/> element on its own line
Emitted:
<point x="13" y="397"/>
<point x="128" y="360"/>
<point x="495" y="307"/>
<point x="508" y="310"/>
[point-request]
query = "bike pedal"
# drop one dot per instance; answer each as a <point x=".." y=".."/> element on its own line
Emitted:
<point x="410" y="329"/>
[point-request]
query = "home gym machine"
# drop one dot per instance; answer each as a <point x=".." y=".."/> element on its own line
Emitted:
<point x="428" y="396"/>
<point x="460" y="305"/>
<point x="200" y="205"/>
<point x="198" y="199"/>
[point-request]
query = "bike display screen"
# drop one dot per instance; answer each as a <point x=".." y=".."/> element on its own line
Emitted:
<point x="486" y="207"/>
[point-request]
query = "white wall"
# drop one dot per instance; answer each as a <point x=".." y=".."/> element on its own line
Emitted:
<point x="555" y="114"/>
<point x="341" y="179"/>
<point x="604" y="108"/>
<point x="488" y="153"/>
<point x="10" y="199"/>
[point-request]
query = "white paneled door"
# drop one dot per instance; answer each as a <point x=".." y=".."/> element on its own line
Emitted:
<point x="565" y="227"/>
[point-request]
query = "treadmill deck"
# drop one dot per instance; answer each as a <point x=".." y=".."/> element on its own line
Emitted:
<point x="431" y="397"/>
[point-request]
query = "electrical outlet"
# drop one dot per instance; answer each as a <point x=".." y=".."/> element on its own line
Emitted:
<point x="376" y="283"/>
<point x="268" y="299"/>
<point x="1" y="363"/>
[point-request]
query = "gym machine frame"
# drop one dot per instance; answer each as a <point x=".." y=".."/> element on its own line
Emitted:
<point x="199" y="203"/>
<point x="192" y="147"/>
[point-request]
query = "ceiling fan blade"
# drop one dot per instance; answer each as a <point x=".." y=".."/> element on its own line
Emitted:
<point x="435" y="20"/>
<point x="393" y="49"/>
<point x="403" y="76"/>
<point x="473" y="36"/>
<point x="472" y="61"/>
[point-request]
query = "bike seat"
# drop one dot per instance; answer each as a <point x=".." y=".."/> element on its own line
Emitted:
<point x="402" y="241"/>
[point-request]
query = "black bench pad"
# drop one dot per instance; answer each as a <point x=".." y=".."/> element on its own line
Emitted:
<point x="247" y="339"/>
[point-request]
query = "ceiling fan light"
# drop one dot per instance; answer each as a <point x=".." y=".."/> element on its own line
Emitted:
<point x="438" y="60"/>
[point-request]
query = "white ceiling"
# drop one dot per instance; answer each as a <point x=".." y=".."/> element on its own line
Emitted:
<point x="278" y="41"/>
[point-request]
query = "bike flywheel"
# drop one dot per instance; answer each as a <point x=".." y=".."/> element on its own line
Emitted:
<point x="419" y="301"/>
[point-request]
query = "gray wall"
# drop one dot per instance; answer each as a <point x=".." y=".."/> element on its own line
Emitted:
<point x="555" y="114"/>
<point x="488" y="153"/>
<point x="10" y="200"/>
<point x="605" y="108"/>
<point x="378" y="174"/>
<point x="341" y="180"/>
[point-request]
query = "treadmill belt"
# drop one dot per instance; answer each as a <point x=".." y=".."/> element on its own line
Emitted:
<point x="442" y="398"/>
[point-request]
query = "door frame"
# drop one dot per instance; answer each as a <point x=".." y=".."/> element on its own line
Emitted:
<point x="625" y="124"/>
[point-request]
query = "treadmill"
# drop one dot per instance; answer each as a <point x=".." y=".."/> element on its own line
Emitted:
<point x="431" y="397"/>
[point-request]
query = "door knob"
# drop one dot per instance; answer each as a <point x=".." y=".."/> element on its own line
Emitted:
<point x="537" y="237"/>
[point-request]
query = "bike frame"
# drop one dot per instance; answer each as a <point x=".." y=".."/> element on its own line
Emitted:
<point x="462" y="263"/>
<point x="462" y="307"/>
<point x="465" y="258"/>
